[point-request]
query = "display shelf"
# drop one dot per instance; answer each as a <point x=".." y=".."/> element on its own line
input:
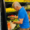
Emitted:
<point x="9" y="12"/>
<point x="10" y="4"/>
<point x="17" y="0"/>
<point x="12" y="13"/>
<point x="27" y="9"/>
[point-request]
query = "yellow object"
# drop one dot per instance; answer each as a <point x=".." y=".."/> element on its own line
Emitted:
<point x="8" y="0"/>
<point x="26" y="0"/>
<point x="17" y="0"/>
<point x="5" y="0"/>
<point x="12" y="0"/>
<point x="20" y="0"/>
<point x="10" y="10"/>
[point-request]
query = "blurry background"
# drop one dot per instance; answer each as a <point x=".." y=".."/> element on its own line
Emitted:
<point x="10" y="11"/>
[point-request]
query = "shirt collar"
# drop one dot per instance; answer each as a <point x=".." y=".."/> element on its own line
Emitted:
<point x="20" y="9"/>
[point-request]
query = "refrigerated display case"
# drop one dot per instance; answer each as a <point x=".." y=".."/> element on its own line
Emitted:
<point x="11" y="12"/>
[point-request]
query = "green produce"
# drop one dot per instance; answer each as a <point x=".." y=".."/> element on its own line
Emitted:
<point x="29" y="14"/>
<point x="17" y="25"/>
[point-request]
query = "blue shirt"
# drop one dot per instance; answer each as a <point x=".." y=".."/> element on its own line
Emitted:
<point x="22" y="14"/>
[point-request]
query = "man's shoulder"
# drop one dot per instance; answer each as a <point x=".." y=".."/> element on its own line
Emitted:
<point x="22" y="10"/>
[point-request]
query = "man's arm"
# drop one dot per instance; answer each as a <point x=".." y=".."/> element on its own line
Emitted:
<point x="16" y="17"/>
<point x="19" y="22"/>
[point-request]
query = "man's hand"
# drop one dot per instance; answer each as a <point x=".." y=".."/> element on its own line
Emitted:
<point x="18" y="22"/>
<point x="13" y="22"/>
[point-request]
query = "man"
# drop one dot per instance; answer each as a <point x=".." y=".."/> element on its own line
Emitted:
<point x="22" y="16"/>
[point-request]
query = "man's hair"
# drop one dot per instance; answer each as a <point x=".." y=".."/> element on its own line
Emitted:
<point x="16" y="4"/>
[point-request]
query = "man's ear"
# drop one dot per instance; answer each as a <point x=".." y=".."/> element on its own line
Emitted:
<point x="17" y="6"/>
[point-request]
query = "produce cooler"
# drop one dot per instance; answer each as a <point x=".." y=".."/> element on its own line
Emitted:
<point x="11" y="13"/>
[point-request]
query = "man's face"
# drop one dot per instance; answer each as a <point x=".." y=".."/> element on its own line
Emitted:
<point x="16" y="8"/>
